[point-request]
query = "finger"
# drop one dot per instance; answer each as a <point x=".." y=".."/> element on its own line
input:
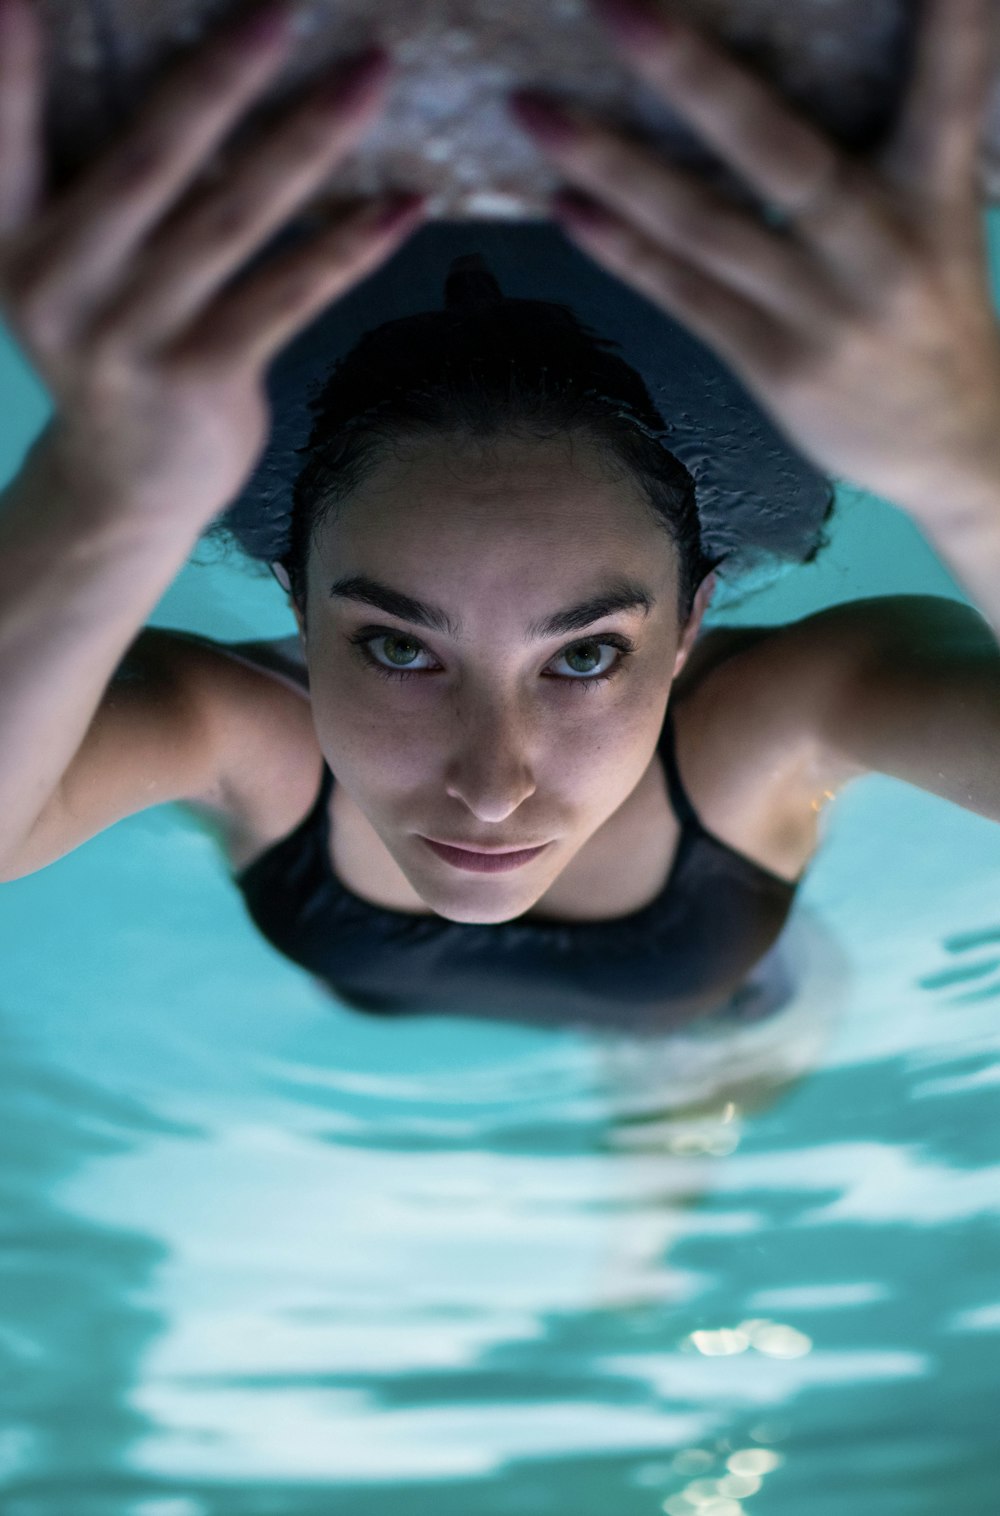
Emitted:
<point x="252" y="321"/>
<point x="678" y="211"/>
<point x="750" y="340"/>
<point x="934" y="148"/>
<point x="775" y="149"/>
<point x="81" y="242"/>
<point x="22" y="69"/>
<point x="788" y="162"/>
<point x="191" y="258"/>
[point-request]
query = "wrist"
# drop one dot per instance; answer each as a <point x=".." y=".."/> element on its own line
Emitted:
<point x="968" y="493"/>
<point x="64" y="488"/>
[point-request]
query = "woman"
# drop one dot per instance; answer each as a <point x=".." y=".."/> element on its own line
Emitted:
<point x="508" y="465"/>
<point x="625" y="904"/>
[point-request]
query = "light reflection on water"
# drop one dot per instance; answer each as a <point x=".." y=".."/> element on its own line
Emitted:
<point x="258" y="1249"/>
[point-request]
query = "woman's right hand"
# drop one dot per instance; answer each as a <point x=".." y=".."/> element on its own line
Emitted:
<point x="114" y="290"/>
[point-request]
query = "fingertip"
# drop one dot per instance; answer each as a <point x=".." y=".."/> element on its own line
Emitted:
<point x="580" y="210"/>
<point x="17" y="19"/>
<point x="397" y="212"/>
<point x="636" y="24"/>
<point x="358" y="78"/>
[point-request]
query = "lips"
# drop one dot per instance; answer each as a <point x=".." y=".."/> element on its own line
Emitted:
<point x="483" y="863"/>
<point x="470" y="847"/>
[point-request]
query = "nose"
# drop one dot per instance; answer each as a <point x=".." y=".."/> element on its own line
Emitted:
<point x="489" y="770"/>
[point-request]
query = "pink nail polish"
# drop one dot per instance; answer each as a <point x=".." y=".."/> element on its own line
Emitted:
<point x="355" y="77"/>
<point x="268" y="24"/>
<point x="543" y="117"/>
<point x="635" y="22"/>
<point x="10" y="15"/>
<point x="397" y="210"/>
<point x="579" y="210"/>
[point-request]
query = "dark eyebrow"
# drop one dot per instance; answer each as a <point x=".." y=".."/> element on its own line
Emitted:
<point x="622" y="595"/>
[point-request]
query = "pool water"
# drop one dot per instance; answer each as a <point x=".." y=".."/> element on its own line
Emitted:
<point x="264" y="1255"/>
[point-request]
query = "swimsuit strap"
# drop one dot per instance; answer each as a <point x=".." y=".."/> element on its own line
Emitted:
<point x="326" y="785"/>
<point x="683" y="809"/>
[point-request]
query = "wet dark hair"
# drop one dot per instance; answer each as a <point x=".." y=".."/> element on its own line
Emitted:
<point x="486" y="367"/>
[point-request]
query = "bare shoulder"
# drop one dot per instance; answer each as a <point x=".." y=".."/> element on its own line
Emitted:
<point x="908" y="687"/>
<point x="784" y="685"/>
<point x="774" y="721"/>
<point x="256" y="696"/>
<point x="754" y="708"/>
<point x="820" y="676"/>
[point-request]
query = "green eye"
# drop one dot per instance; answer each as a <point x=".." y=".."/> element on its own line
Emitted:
<point x="589" y="653"/>
<point x="404" y="641"/>
<point x="396" y="640"/>
<point x="585" y="650"/>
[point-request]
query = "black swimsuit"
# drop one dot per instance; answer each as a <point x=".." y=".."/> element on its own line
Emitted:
<point x="718" y="913"/>
<point x="683" y="953"/>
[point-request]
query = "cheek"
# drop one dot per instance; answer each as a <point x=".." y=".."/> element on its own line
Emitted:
<point x="603" y="766"/>
<point x="371" y="752"/>
<point x="590" y="766"/>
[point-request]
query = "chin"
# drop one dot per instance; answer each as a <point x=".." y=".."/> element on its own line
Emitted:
<point x="478" y="913"/>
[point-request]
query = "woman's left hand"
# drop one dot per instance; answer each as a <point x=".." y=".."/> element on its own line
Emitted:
<point x="863" y="324"/>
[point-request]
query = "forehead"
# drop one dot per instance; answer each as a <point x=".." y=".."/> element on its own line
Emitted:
<point x="442" y="499"/>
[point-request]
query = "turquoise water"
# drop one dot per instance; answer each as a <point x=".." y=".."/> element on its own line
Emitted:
<point x="262" y="1255"/>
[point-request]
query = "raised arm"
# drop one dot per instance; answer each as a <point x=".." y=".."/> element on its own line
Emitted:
<point x="904" y="685"/>
<point x="862" y="321"/>
<point x="156" y="371"/>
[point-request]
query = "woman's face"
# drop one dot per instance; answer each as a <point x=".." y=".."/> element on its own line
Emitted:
<point x="502" y="733"/>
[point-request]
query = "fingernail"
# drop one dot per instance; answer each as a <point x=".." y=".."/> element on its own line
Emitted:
<point x="635" y="22"/>
<point x="356" y="76"/>
<point x="10" y="16"/>
<point x="543" y="117"/>
<point x="268" y="24"/>
<point x="579" y="210"/>
<point x="390" y="213"/>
